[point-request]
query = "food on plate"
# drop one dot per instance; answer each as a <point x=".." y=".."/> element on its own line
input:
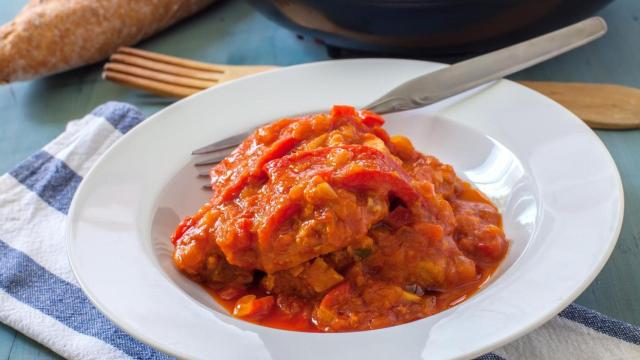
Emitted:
<point x="50" y="36"/>
<point x="327" y="223"/>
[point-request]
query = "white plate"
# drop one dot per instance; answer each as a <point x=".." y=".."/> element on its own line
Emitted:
<point x="553" y="180"/>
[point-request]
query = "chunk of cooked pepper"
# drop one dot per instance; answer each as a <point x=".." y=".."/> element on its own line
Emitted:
<point x="371" y="119"/>
<point x="321" y="276"/>
<point x="249" y="306"/>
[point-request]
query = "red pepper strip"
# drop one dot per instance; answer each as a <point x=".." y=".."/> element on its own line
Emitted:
<point x="227" y="193"/>
<point x="234" y="186"/>
<point x="277" y="150"/>
<point x="231" y="175"/>
<point x="379" y="180"/>
<point x="343" y="110"/>
<point x="184" y="225"/>
<point x="368" y="169"/>
<point x="336" y="296"/>
<point x="371" y="119"/>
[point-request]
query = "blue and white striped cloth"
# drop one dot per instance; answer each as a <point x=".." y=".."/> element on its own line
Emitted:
<point x="40" y="297"/>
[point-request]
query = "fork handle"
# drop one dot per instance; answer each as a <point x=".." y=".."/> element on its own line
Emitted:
<point x="444" y="83"/>
<point x="601" y="106"/>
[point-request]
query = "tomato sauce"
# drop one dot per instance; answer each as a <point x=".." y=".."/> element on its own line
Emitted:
<point x="326" y="223"/>
<point x="301" y="321"/>
<point x="277" y="318"/>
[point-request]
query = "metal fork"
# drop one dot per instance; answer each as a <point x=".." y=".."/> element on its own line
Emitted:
<point x="452" y="80"/>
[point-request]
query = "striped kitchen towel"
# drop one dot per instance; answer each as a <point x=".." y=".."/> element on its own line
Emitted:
<point x="40" y="297"/>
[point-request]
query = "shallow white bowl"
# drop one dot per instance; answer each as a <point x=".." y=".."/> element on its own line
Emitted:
<point x="555" y="183"/>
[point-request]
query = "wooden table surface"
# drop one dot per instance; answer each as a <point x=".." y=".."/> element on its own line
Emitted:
<point x="33" y="113"/>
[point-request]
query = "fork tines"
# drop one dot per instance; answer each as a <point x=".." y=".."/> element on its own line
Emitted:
<point x="230" y="142"/>
<point x="214" y="158"/>
<point x="161" y="74"/>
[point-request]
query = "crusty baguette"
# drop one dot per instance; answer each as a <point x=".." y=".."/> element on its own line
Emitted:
<point x="50" y="36"/>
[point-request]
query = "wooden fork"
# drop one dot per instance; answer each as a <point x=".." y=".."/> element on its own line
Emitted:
<point x="168" y="75"/>
<point x="601" y="106"/>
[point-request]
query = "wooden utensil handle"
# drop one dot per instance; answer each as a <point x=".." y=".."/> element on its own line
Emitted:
<point x="601" y="106"/>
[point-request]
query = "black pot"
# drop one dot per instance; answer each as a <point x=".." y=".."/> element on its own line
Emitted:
<point x="438" y="27"/>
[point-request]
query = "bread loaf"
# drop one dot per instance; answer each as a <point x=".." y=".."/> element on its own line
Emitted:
<point x="50" y="36"/>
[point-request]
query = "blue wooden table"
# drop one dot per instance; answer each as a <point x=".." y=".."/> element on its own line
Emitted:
<point x="33" y="113"/>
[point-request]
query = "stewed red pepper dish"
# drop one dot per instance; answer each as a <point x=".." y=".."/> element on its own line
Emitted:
<point x="325" y="223"/>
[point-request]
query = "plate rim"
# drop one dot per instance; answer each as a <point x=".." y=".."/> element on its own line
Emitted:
<point x="68" y="232"/>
